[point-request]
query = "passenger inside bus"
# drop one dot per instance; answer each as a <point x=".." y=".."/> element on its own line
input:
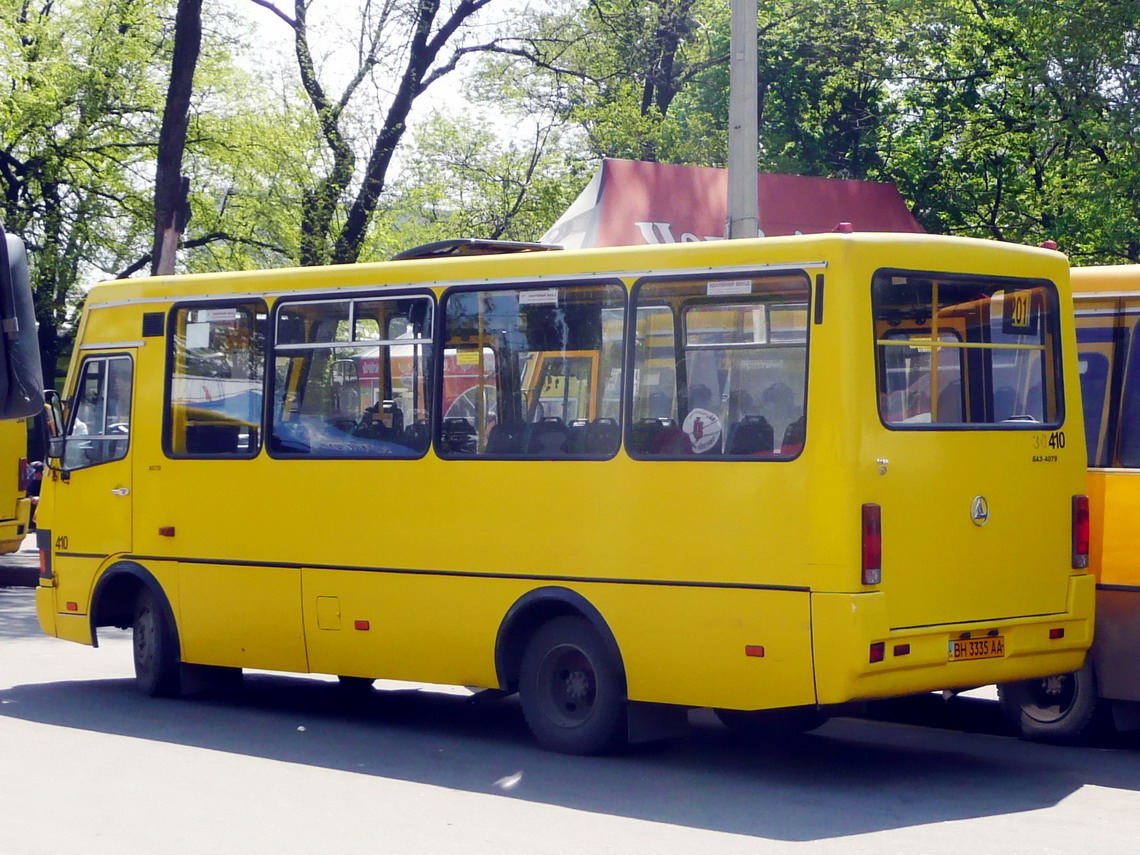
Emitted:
<point x="777" y="406"/>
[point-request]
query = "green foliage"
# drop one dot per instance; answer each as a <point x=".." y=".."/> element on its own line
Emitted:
<point x="461" y="179"/>
<point x="1016" y="122"/>
<point x="80" y="94"/>
<point x="1007" y="119"/>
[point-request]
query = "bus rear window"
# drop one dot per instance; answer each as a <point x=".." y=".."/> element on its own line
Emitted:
<point x="955" y="351"/>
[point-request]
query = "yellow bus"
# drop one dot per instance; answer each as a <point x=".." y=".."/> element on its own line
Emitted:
<point x="768" y="477"/>
<point x="15" y="505"/>
<point x="1105" y="692"/>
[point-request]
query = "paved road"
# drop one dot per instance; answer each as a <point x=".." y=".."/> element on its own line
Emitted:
<point x="88" y="765"/>
<point x="20" y="568"/>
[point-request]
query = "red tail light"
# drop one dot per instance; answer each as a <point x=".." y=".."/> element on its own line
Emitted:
<point x="872" y="544"/>
<point x="1080" y="532"/>
<point x="23" y="474"/>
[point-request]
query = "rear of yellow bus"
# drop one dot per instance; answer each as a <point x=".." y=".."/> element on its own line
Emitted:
<point x="966" y="516"/>
<point x="15" y="506"/>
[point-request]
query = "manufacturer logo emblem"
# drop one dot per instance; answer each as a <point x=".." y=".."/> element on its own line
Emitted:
<point x="980" y="510"/>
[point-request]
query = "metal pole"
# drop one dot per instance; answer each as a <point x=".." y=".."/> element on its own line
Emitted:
<point x="743" y="201"/>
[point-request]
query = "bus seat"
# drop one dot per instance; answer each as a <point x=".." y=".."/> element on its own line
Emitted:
<point x="794" y="437"/>
<point x="750" y="435"/>
<point x="417" y="436"/>
<point x="642" y="433"/>
<point x="672" y="441"/>
<point x="950" y="402"/>
<point x="212" y="439"/>
<point x="547" y="438"/>
<point x="576" y="437"/>
<point x="457" y="436"/>
<point x="507" y="438"/>
<point x="603" y="436"/>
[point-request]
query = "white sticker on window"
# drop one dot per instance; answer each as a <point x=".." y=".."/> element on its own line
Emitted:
<point x="545" y="297"/>
<point x="725" y="287"/>
<point x="197" y="335"/>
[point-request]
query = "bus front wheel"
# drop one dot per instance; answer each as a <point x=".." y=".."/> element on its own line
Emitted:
<point x="1063" y="708"/>
<point x="571" y="689"/>
<point x="156" y="661"/>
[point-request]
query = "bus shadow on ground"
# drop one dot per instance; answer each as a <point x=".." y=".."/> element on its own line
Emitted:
<point x="852" y="776"/>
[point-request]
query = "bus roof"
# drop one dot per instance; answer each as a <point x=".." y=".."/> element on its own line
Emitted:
<point x="1108" y="278"/>
<point x="937" y="253"/>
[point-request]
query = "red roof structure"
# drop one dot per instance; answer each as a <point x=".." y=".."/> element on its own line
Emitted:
<point x="630" y="202"/>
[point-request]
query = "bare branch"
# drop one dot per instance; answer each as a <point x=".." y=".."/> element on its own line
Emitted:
<point x="265" y="4"/>
<point x="206" y="239"/>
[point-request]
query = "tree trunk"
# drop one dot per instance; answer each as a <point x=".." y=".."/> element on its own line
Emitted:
<point x="170" y="190"/>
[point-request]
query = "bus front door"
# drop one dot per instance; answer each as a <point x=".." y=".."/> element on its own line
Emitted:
<point x="92" y="506"/>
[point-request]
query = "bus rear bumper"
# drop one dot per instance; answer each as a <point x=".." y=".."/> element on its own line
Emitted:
<point x="845" y="627"/>
<point x="13" y="531"/>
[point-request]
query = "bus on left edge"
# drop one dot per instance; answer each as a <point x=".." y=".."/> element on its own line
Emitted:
<point x="21" y="389"/>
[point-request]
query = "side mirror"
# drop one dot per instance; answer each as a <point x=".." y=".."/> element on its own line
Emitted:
<point x="21" y="379"/>
<point x="54" y="422"/>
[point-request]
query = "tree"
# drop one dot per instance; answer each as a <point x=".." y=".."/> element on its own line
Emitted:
<point x="616" y="69"/>
<point x="460" y="178"/>
<point x="170" y="190"/>
<point x="80" y="100"/>
<point x="402" y="38"/>
<point x="1019" y="125"/>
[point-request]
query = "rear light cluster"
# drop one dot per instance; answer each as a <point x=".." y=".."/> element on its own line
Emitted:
<point x="23" y="474"/>
<point x="1080" y="532"/>
<point x="872" y="544"/>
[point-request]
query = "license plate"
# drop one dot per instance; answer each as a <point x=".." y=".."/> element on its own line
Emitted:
<point x="962" y="649"/>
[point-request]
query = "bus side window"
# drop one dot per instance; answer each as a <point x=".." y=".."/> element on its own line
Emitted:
<point x="352" y="378"/>
<point x="533" y="373"/>
<point x="217" y="379"/>
<point x="1128" y="449"/>
<point x="720" y="367"/>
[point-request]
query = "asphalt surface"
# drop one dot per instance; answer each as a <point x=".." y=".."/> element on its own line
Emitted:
<point x="21" y="569"/>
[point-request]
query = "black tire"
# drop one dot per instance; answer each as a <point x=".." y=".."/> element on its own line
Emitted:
<point x="1063" y="709"/>
<point x="157" y="669"/>
<point x="572" y="690"/>
<point x="768" y="725"/>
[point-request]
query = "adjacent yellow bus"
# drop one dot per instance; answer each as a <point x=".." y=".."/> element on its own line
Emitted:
<point x="767" y="477"/>
<point x="15" y="505"/>
<point x="1105" y="692"/>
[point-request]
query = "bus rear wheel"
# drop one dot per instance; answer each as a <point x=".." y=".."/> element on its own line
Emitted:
<point x="1062" y="709"/>
<point x="571" y="689"/>
<point x="157" y="669"/>
<point x="766" y="725"/>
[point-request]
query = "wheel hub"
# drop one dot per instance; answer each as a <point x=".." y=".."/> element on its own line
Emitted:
<point x="577" y="685"/>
